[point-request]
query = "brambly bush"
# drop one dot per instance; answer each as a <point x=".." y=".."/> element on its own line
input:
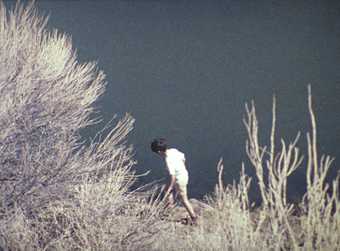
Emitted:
<point x="55" y="191"/>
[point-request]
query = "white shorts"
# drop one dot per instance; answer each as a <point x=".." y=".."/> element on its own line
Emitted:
<point x="182" y="182"/>
<point x="180" y="188"/>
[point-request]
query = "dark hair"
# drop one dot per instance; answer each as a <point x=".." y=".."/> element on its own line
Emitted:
<point x="159" y="145"/>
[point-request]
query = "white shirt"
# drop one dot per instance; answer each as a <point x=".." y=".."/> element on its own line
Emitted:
<point x="175" y="162"/>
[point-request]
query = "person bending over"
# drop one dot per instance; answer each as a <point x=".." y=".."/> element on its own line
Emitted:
<point x="175" y="162"/>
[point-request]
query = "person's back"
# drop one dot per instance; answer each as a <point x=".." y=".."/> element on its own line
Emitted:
<point x="175" y="161"/>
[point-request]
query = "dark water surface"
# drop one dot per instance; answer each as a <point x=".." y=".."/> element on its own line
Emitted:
<point x="184" y="70"/>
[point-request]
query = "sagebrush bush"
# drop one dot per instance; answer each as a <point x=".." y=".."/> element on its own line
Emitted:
<point x="55" y="191"/>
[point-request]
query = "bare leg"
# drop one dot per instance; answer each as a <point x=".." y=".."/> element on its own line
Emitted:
<point x="184" y="198"/>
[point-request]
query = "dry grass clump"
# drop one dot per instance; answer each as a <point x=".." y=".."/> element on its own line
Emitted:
<point x="55" y="191"/>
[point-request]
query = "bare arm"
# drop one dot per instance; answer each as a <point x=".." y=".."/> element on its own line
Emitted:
<point x="170" y="186"/>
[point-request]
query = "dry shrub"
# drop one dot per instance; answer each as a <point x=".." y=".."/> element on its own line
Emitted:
<point x="318" y="226"/>
<point x="320" y="221"/>
<point x="57" y="192"/>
